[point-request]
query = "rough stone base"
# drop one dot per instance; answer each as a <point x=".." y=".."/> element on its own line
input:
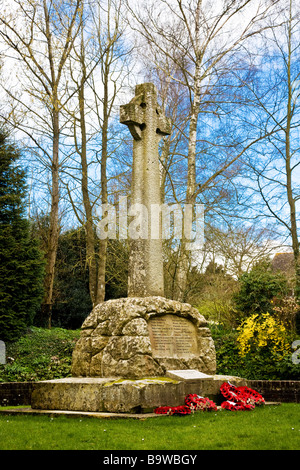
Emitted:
<point x="117" y="395"/>
<point x="115" y="340"/>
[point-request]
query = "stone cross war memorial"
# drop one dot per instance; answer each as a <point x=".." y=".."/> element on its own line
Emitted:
<point x="147" y="125"/>
<point x="145" y="334"/>
<point x="132" y="351"/>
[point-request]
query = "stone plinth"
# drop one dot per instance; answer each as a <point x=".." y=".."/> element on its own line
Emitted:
<point x="115" y="395"/>
<point x="143" y="337"/>
<point x="104" y="394"/>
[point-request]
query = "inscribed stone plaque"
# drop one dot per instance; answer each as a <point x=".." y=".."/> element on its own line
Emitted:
<point x="2" y="353"/>
<point x="172" y="336"/>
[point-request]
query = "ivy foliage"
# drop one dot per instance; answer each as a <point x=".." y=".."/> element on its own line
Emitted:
<point x="41" y="354"/>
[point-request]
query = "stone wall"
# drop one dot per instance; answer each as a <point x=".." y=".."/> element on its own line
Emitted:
<point x="15" y="393"/>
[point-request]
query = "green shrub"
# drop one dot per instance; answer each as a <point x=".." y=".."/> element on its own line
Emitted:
<point x="259" y="364"/>
<point x="288" y="370"/>
<point x="263" y="333"/>
<point x="258" y="289"/>
<point x="41" y="354"/>
<point x="226" y="351"/>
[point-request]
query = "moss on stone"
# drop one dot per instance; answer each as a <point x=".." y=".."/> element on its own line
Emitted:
<point x="141" y="382"/>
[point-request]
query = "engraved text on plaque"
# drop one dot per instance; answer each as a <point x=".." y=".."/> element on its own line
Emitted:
<point x="172" y="337"/>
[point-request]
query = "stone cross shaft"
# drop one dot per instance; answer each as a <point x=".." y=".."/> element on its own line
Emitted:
<point x="147" y="125"/>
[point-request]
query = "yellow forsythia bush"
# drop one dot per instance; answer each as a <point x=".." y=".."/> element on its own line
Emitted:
<point x="263" y="331"/>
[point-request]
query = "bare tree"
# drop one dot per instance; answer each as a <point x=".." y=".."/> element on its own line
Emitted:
<point x="275" y="163"/>
<point x="239" y="248"/>
<point x="196" y="38"/>
<point x="40" y="36"/>
<point x="99" y="74"/>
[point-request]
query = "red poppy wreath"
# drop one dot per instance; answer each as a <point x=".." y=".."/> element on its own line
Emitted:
<point x="237" y="398"/>
<point x="196" y="402"/>
<point x="240" y="398"/>
<point x="173" y="410"/>
<point x="193" y="403"/>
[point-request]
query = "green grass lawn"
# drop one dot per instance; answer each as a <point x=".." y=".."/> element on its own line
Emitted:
<point x="265" y="428"/>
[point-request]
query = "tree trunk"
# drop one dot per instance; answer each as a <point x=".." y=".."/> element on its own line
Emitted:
<point x="104" y="195"/>
<point x="89" y="226"/>
<point x="185" y="255"/>
<point x="53" y="228"/>
<point x="291" y="199"/>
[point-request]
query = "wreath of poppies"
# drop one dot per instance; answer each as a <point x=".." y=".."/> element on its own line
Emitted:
<point x="196" y="403"/>
<point x="233" y="406"/>
<point x="240" y="398"/>
<point x="237" y="399"/>
<point x="193" y="403"/>
<point x="173" y="410"/>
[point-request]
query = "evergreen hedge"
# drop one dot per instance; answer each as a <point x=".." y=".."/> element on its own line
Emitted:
<point x="21" y="261"/>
